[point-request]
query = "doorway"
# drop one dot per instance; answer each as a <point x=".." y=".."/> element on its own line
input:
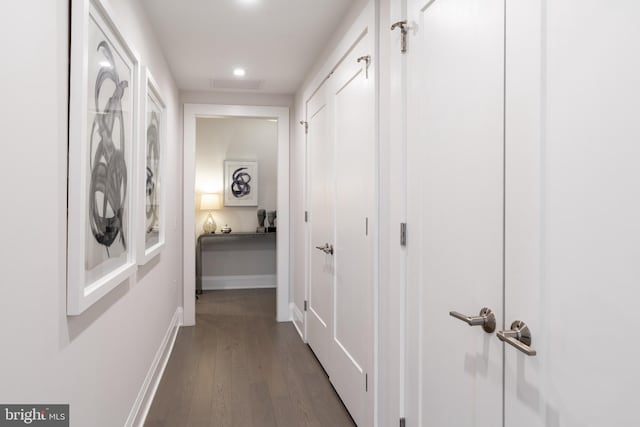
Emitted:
<point x="193" y="112"/>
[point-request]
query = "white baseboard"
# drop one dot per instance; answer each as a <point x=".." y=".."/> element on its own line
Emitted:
<point x="141" y="407"/>
<point x="297" y="318"/>
<point x="256" y="281"/>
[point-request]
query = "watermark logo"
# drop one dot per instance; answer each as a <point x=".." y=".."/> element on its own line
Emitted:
<point x="34" y="415"/>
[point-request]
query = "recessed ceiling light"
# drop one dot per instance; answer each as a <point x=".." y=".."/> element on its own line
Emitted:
<point x="239" y="72"/>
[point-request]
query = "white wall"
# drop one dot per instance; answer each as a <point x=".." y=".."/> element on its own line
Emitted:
<point x="225" y="138"/>
<point x="96" y="362"/>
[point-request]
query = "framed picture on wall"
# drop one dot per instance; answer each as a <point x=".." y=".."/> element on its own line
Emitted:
<point x="103" y="120"/>
<point x="151" y="160"/>
<point x="240" y="183"/>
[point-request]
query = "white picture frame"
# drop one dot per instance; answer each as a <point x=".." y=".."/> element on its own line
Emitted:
<point x="151" y="166"/>
<point x="103" y="121"/>
<point x="240" y="183"/>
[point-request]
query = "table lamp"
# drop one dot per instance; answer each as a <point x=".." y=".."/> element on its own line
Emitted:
<point x="209" y="202"/>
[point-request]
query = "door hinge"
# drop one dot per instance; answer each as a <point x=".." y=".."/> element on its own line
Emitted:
<point x="403" y="31"/>
<point x="366" y="382"/>
<point x="403" y="422"/>
<point x="366" y="226"/>
<point x="306" y="305"/>
<point x="403" y="234"/>
<point x="306" y="216"/>
<point x="306" y="126"/>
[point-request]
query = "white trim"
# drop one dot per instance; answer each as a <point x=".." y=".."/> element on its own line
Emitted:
<point x="255" y="281"/>
<point x="141" y="406"/>
<point x="297" y="318"/>
<point x="191" y="111"/>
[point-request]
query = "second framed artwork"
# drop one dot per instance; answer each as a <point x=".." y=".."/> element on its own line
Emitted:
<point x="240" y="183"/>
<point x="151" y="212"/>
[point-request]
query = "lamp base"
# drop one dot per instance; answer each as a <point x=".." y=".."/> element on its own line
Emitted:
<point x="209" y="225"/>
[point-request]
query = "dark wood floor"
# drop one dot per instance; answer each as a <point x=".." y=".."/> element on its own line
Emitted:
<point x="239" y="367"/>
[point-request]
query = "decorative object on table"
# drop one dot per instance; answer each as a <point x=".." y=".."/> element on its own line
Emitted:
<point x="226" y="229"/>
<point x="103" y="128"/>
<point x="271" y="215"/>
<point x="261" y="217"/>
<point x="150" y="160"/>
<point x="240" y="183"/>
<point x="209" y="202"/>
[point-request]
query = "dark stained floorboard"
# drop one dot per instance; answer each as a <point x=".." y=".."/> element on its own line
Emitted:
<point x="238" y="367"/>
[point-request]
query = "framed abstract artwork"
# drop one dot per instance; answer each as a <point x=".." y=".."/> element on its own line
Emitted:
<point x="151" y="161"/>
<point x="240" y="183"/>
<point x="103" y="118"/>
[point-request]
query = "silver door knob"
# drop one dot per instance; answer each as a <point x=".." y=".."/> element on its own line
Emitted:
<point x="486" y="319"/>
<point x="327" y="248"/>
<point x="519" y="337"/>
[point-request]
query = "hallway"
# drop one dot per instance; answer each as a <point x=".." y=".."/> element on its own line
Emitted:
<point x="238" y="367"/>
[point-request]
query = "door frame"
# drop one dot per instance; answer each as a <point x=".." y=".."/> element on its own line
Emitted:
<point x="191" y="113"/>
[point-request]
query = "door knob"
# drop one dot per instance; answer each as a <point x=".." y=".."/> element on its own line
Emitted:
<point x="327" y="248"/>
<point x="486" y="319"/>
<point x="519" y="337"/>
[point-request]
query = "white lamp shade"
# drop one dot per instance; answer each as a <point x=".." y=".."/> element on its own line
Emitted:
<point x="210" y="202"/>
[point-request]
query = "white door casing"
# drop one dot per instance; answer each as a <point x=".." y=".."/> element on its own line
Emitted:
<point x="572" y="209"/>
<point x="454" y="210"/>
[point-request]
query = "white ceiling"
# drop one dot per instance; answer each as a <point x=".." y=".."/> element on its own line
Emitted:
<point x="275" y="41"/>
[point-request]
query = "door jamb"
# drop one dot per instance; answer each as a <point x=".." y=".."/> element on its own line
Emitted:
<point x="191" y="112"/>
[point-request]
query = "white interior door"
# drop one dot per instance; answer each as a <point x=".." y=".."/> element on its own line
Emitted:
<point x="352" y="91"/>
<point x="573" y="209"/>
<point x="321" y="196"/>
<point x="455" y="145"/>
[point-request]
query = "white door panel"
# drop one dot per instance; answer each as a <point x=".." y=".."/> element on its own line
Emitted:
<point x="352" y="341"/>
<point x="321" y="198"/>
<point x="573" y="187"/>
<point x="455" y="210"/>
<point x="341" y="189"/>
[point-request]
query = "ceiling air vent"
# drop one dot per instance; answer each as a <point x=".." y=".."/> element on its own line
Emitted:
<point x="235" y="84"/>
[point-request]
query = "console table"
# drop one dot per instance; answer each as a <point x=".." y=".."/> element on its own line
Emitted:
<point x="221" y="238"/>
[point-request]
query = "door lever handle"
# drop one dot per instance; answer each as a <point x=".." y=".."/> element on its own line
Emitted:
<point x="327" y="248"/>
<point x="486" y="319"/>
<point x="519" y="337"/>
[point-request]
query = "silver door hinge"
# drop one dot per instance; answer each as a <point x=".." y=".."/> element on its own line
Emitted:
<point x="366" y="226"/>
<point x="403" y="234"/>
<point x="306" y="305"/>
<point x="366" y="382"/>
<point x="403" y="31"/>
<point x="403" y="423"/>
<point x="306" y="126"/>
<point x="306" y="216"/>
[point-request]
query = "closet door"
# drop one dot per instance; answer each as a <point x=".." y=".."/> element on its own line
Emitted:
<point x="455" y="81"/>
<point x="352" y="92"/>
<point x="573" y="212"/>
<point x="321" y="193"/>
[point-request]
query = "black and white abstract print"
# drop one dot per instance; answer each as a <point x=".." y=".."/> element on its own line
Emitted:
<point x="110" y="131"/>
<point x="240" y="183"/>
<point x="152" y="187"/>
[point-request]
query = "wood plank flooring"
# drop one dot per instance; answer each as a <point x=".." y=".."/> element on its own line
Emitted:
<point x="238" y="367"/>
